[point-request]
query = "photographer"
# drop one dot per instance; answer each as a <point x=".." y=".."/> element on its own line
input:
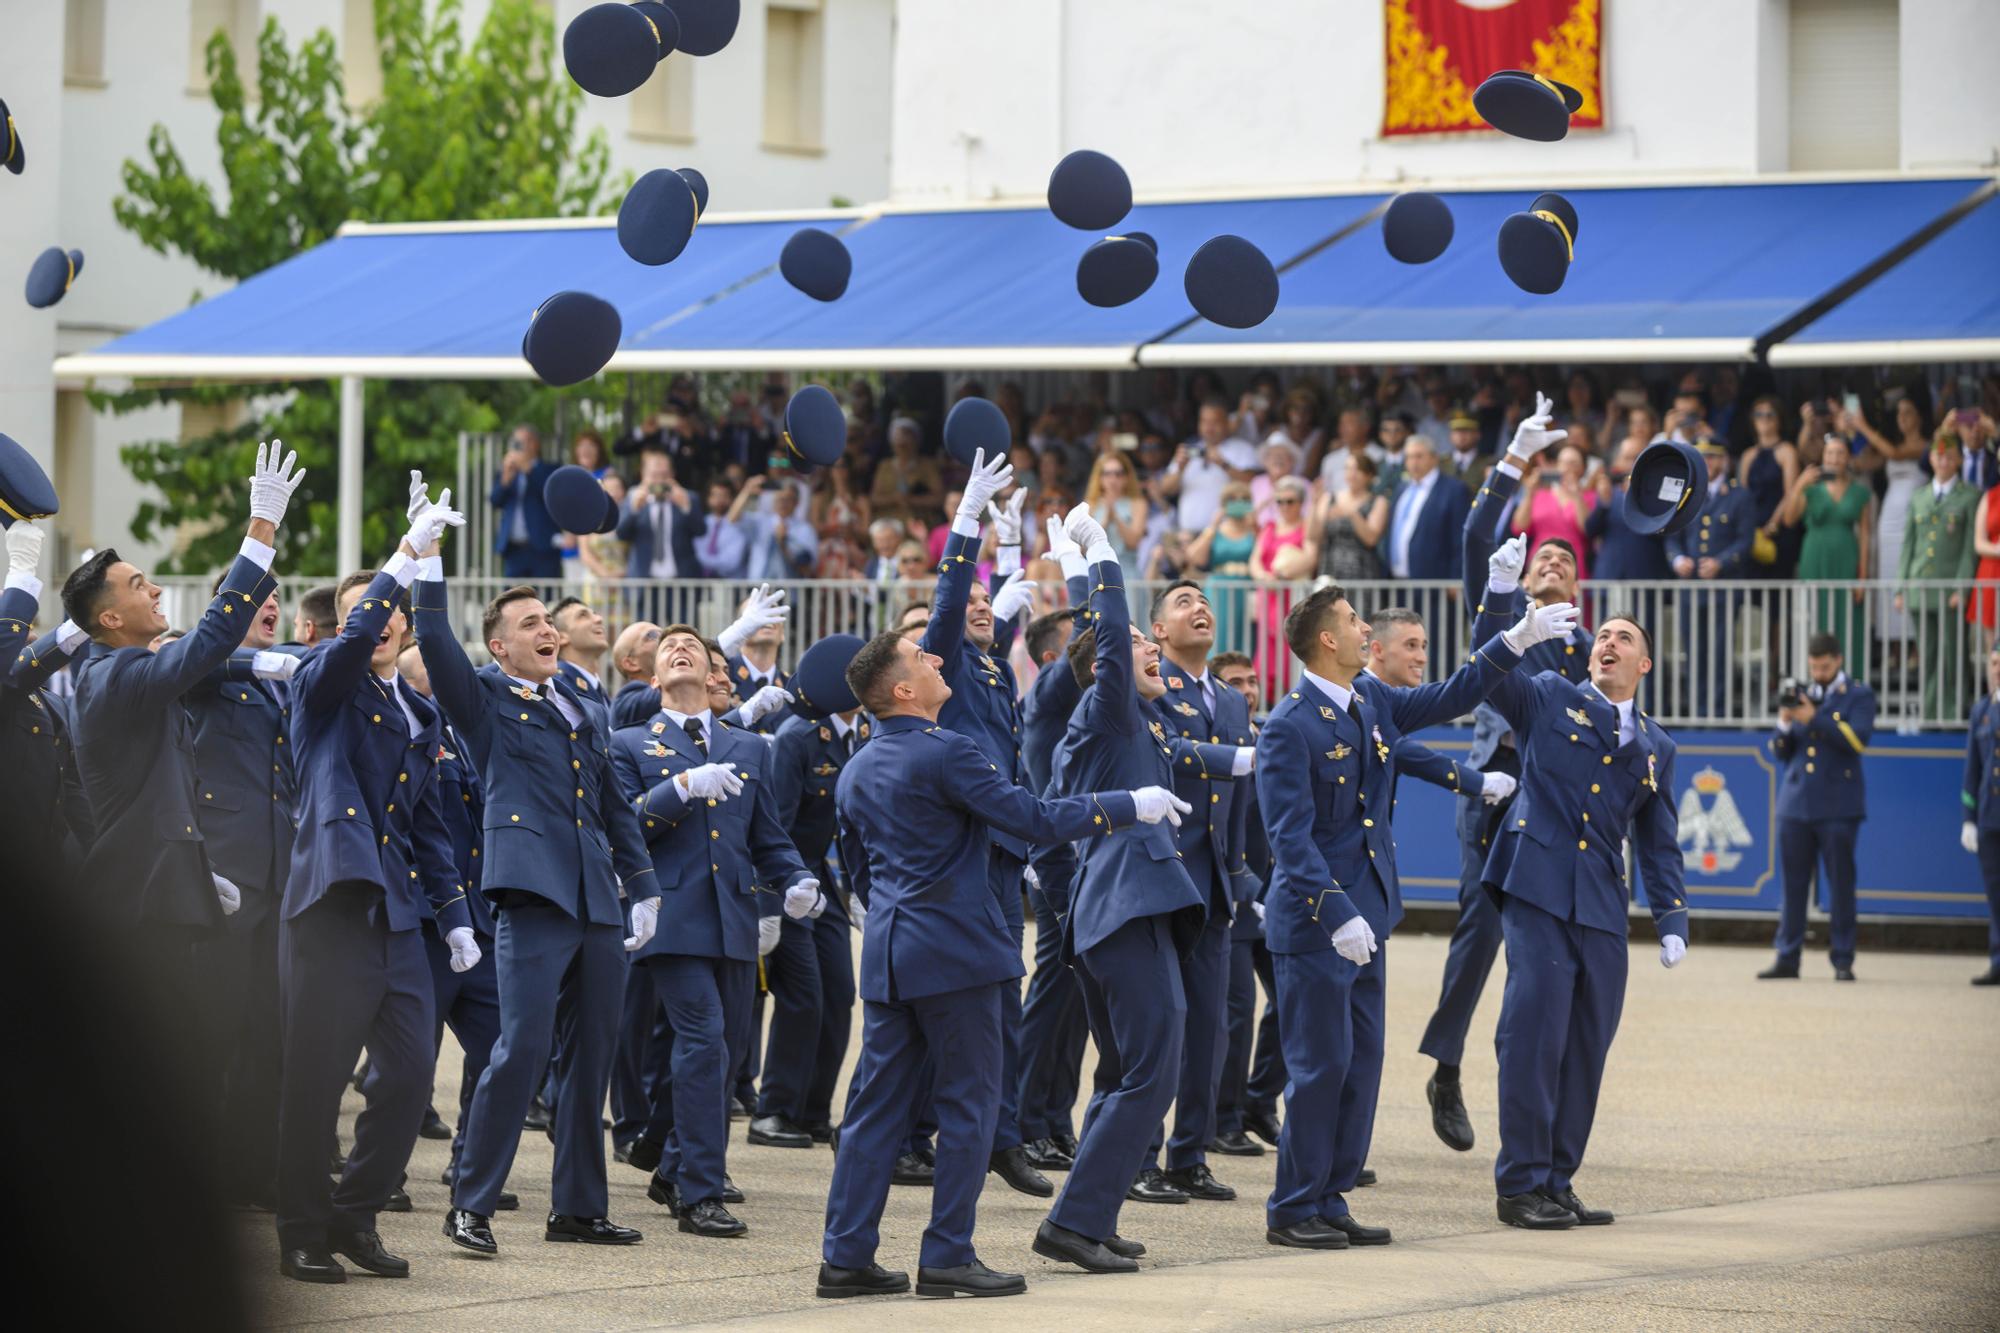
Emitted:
<point x="1823" y="728"/>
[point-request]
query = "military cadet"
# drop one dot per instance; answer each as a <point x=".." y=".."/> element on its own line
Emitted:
<point x="1475" y="938"/>
<point x="1715" y="546"/>
<point x="811" y="972"/>
<point x="984" y="708"/>
<point x="316" y="620"/>
<point x="1325" y="775"/>
<point x="1595" y="772"/>
<point x="702" y="793"/>
<point x="915" y="809"/>
<point x="37" y="764"/>
<point x="1213" y="721"/>
<point x="352" y="970"/>
<point x="1980" y="833"/>
<point x="581" y="656"/>
<point x="1822" y="800"/>
<point x="750" y="644"/>
<point x="555" y="828"/>
<point x="1399" y="654"/>
<point x="1938" y="544"/>
<point x="637" y="699"/>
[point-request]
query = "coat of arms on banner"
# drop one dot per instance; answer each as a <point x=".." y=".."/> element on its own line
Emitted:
<point x="1710" y="833"/>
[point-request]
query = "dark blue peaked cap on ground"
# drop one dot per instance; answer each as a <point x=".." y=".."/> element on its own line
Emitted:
<point x="25" y="490"/>
<point x="1231" y="283"/>
<point x="706" y="25"/>
<point x="1117" y="269"/>
<point x="1536" y="247"/>
<point x="820" y="679"/>
<point x="657" y="219"/>
<point x="817" y="264"/>
<point x="15" y="156"/>
<point x="1526" y="105"/>
<point x="974" y="424"/>
<point x="1669" y="486"/>
<point x="611" y="49"/>
<point x="570" y="337"/>
<point x="574" y="499"/>
<point x="1417" y="227"/>
<point x="51" y="276"/>
<point x="815" y="428"/>
<point x="1089" y="191"/>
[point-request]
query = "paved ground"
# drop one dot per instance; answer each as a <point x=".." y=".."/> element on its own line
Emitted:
<point x="1781" y="1155"/>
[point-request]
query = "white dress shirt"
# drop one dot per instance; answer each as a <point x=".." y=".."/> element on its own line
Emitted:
<point x="1341" y="695"/>
<point x="394" y="682"/>
<point x="660" y="512"/>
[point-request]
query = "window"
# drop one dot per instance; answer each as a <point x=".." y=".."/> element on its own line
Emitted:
<point x="1844" y="85"/>
<point x="83" y="44"/>
<point x="237" y="20"/>
<point x="360" y="58"/>
<point x="794" y="48"/>
<point x="663" y="108"/>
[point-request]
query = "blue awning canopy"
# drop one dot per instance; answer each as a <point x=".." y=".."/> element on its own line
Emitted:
<point x="1940" y="304"/>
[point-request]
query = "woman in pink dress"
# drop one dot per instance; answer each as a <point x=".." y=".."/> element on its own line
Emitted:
<point x="1557" y="507"/>
<point x="1286" y="553"/>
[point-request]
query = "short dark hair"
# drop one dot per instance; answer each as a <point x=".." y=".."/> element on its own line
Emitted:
<point x="1223" y="661"/>
<point x="1397" y="615"/>
<point x="361" y="578"/>
<point x="1699" y="395"/>
<point x="1561" y="544"/>
<point x="489" y="622"/>
<point x="1645" y="635"/>
<point x="1217" y="402"/>
<point x="875" y="670"/>
<point x="1823" y="645"/>
<point x="1045" y="633"/>
<point x="1083" y="657"/>
<point x="83" y="592"/>
<point x="565" y="604"/>
<point x="1302" y="626"/>
<point x="904" y="614"/>
<point x="321" y="607"/>
<point x="1160" y="597"/>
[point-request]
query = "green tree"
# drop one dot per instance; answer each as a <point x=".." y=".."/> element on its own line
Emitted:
<point x="485" y="129"/>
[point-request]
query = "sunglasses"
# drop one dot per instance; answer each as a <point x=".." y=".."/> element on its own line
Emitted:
<point x="1288" y="499"/>
<point x="1764" y="414"/>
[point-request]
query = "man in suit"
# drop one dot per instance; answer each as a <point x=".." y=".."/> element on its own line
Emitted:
<point x="1979" y="835"/>
<point x="1716" y="546"/>
<point x="525" y="537"/>
<point x="351" y="959"/>
<point x="702" y="793"/>
<point x="1426" y="534"/>
<point x="1241" y="1103"/>
<point x="659" y="528"/>
<point x="1822" y="800"/>
<point x="915" y="808"/>
<point x="1325" y="781"/>
<point x="1938" y="544"/>
<point x="558" y="840"/>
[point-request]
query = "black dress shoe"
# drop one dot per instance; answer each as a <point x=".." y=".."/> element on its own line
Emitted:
<point x="824" y="1134"/>
<point x="433" y="1127"/>
<point x="1200" y="1183"/>
<point x="470" y="1230"/>
<point x="507" y="1202"/>
<point x="973" y="1279"/>
<point x="1011" y="1165"/>
<point x="1065" y="1143"/>
<point x="539" y="1116"/>
<point x="1311" y="1234"/>
<point x="1843" y="974"/>
<point x="1990" y="977"/>
<point x="1356" y="1233"/>
<point x="1151" y="1186"/>
<point x="1535" y="1211"/>
<point x="643" y="1155"/>
<point x="833" y="1138"/>
<point x="398" y="1201"/>
<point x="874" y="1280"/>
<point x="589" y="1231"/>
<point x="1068" y="1247"/>
<point x="1585" y="1216"/>
<point x="776" y="1131"/>
<point x="1448" y="1118"/>
<point x="1130" y="1249"/>
<point x="1044" y="1155"/>
<point x="1364" y="1178"/>
<point x="730" y="1194"/>
<point x="741" y="1108"/>
<point x="1236" y="1144"/>
<point x="364" y="1249"/>
<point x="1780" y="971"/>
<point x="665" y="1193"/>
<point x="1264" y="1124"/>
<point x="710" y="1218"/>
<point x="308" y="1265"/>
<point x="912" y="1170"/>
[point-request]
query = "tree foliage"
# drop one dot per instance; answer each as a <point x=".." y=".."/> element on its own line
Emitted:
<point x="475" y="129"/>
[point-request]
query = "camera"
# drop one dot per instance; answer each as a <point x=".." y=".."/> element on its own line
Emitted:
<point x="1791" y="693"/>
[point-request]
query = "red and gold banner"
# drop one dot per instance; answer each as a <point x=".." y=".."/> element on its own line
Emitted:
<point x="1435" y="52"/>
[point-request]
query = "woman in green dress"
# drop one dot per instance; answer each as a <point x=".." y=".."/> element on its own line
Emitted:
<point x="1836" y="508"/>
<point x="1223" y="552"/>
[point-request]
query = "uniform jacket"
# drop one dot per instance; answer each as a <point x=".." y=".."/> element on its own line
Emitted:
<point x="39" y="788"/>
<point x="1822" y="760"/>
<point x="1937" y="544"/>
<point x="592" y="694"/>
<point x="740" y="672"/>
<point x="1211" y="838"/>
<point x="983" y="707"/>
<point x="636" y="702"/>
<point x="248" y="791"/>
<point x="463" y="809"/>
<point x="807" y="759"/>
<point x="1723" y="533"/>
<point x="1981" y="789"/>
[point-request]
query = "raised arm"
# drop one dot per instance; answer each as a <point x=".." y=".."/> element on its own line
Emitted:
<point x="967" y="780"/>
<point x="326" y="680"/>
<point x="944" y="637"/>
<point x="1427" y="765"/>
<point x="1488" y="514"/>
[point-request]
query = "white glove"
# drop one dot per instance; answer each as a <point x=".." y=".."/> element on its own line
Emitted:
<point x="987" y="480"/>
<point x="645" y="919"/>
<point x="272" y="484"/>
<point x="70" y="636"/>
<point x="1016" y="595"/>
<point x="804" y="899"/>
<point x="464" y="948"/>
<point x="419" y="498"/>
<point x="1503" y="567"/>
<point x="24" y="549"/>
<point x="1355" y="941"/>
<point x="1541" y="624"/>
<point x="266" y="665"/>
<point x="710" y="782"/>
<point x="767" y="934"/>
<point x="1533" y="434"/>
<point x="1968" y="837"/>
<point x="1496" y="787"/>
<point x="1245" y="762"/>
<point x="1034" y="881"/>
<point x="431" y="521"/>
<point x="761" y="610"/>
<point x="1258" y="908"/>
<point x="767" y="700"/>
<point x="857" y="912"/>
<point x="1152" y="804"/>
<point x="1006" y="518"/>
<point x="1066" y="552"/>
<point x="227" y="894"/>
<point x="1088" y="534"/>
<point x="1672" y="949"/>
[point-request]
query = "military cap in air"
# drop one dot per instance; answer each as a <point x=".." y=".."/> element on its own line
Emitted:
<point x="819" y="682"/>
<point x="1668" y="487"/>
<point x="657" y="219"/>
<point x="815" y="428"/>
<point x="1526" y="105"/>
<point x="16" y="156"/>
<point x="817" y="264"/>
<point x="1231" y="283"/>
<point x="570" y="337"/>
<point x="1417" y="227"/>
<point x="975" y="425"/>
<point x="706" y="25"/>
<point x="1536" y="247"/>
<point x="1118" y="269"/>
<point x="25" y="490"/>
<point x="611" y="49"/>
<point x="574" y="499"/>
<point x="52" y="274"/>
<point x="1089" y="191"/>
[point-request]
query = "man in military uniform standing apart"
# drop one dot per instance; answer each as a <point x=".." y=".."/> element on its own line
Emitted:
<point x="1715" y="547"/>
<point x="1938" y="545"/>
<point x="1980" y="834"/>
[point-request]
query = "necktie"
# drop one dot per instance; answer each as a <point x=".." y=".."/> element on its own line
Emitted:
<point x="1354" y="712"/>
<point x="693" y="728"/>
<point x="848" y="741"/>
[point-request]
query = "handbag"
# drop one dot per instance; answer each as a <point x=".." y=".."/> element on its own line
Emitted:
<point x="1764" y="548"/>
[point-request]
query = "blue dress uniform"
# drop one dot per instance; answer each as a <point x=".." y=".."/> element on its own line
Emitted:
<point x="918" y="808"/>
<point x="1324" y="778"/>
<point x="590" y="691"/>
<point x="1981" y="796"/>
<point x="1211" y="727"/>
<point x="555" y="827"/>
<point x="38" y="781"/>
<point x="812" y="987"/>
<point x="1248" y="960"/>
<point x="1723" y="533"/>
<point x="467" y="1002"/>
<point x="351" y="961"/>
<point x="709" y="855"/>
<point x="985" y="709"/>
<point x="1558" y="868"/>
<point x="636" y="703"/>
<point x="1134" y="915"/>
<point x="1822" y="800"/>
<point x="1475" y="938"/>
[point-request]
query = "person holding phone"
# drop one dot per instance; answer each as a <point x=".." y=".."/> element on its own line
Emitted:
<point x="1902" y="462"/>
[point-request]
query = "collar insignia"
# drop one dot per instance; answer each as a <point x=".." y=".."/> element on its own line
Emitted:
<point x="659" y="727"/>
<point x="1158" y="733"/>
<point x="826" y="733"/>
<point x="1174" y="683"/>
<point x="1327" y="713"/>
<point x="864" y="731"/>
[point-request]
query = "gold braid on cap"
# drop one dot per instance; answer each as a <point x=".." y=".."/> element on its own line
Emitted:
<point x="9" y="155"/>
<point x="71" y="262"/>
<point x="656" y="35"/>
<point x="11" y="512"/>
<point x="1552" y="88"/>
<point x="1569" y="246"/>
<point x="786" y="436"/>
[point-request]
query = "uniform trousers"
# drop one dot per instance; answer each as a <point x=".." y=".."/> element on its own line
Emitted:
<point x="240" y="964"/>
<point x="1242" y="1030"/>
<point x="1267" y="1060"/>
<point x="791" y="970"/>
<point x="833" y="941"/>
<point x="1565" y="991"/>
<point x="1003" y="876"/>
<point x="1475" y="943"/>
<point x="1053" y="1028"/>
<point x="641" y="1071"/>
<point x="707" y="1002"/>
<point x="950" y="1046"/>
<point x="348" y="981"/>
<point x="1804" y="846"/>
<point x="1989" y="870"/>
<point x="468" y="1003"/>
<point x="1205" y="989"/>
<point x="1331" y="1017"/>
